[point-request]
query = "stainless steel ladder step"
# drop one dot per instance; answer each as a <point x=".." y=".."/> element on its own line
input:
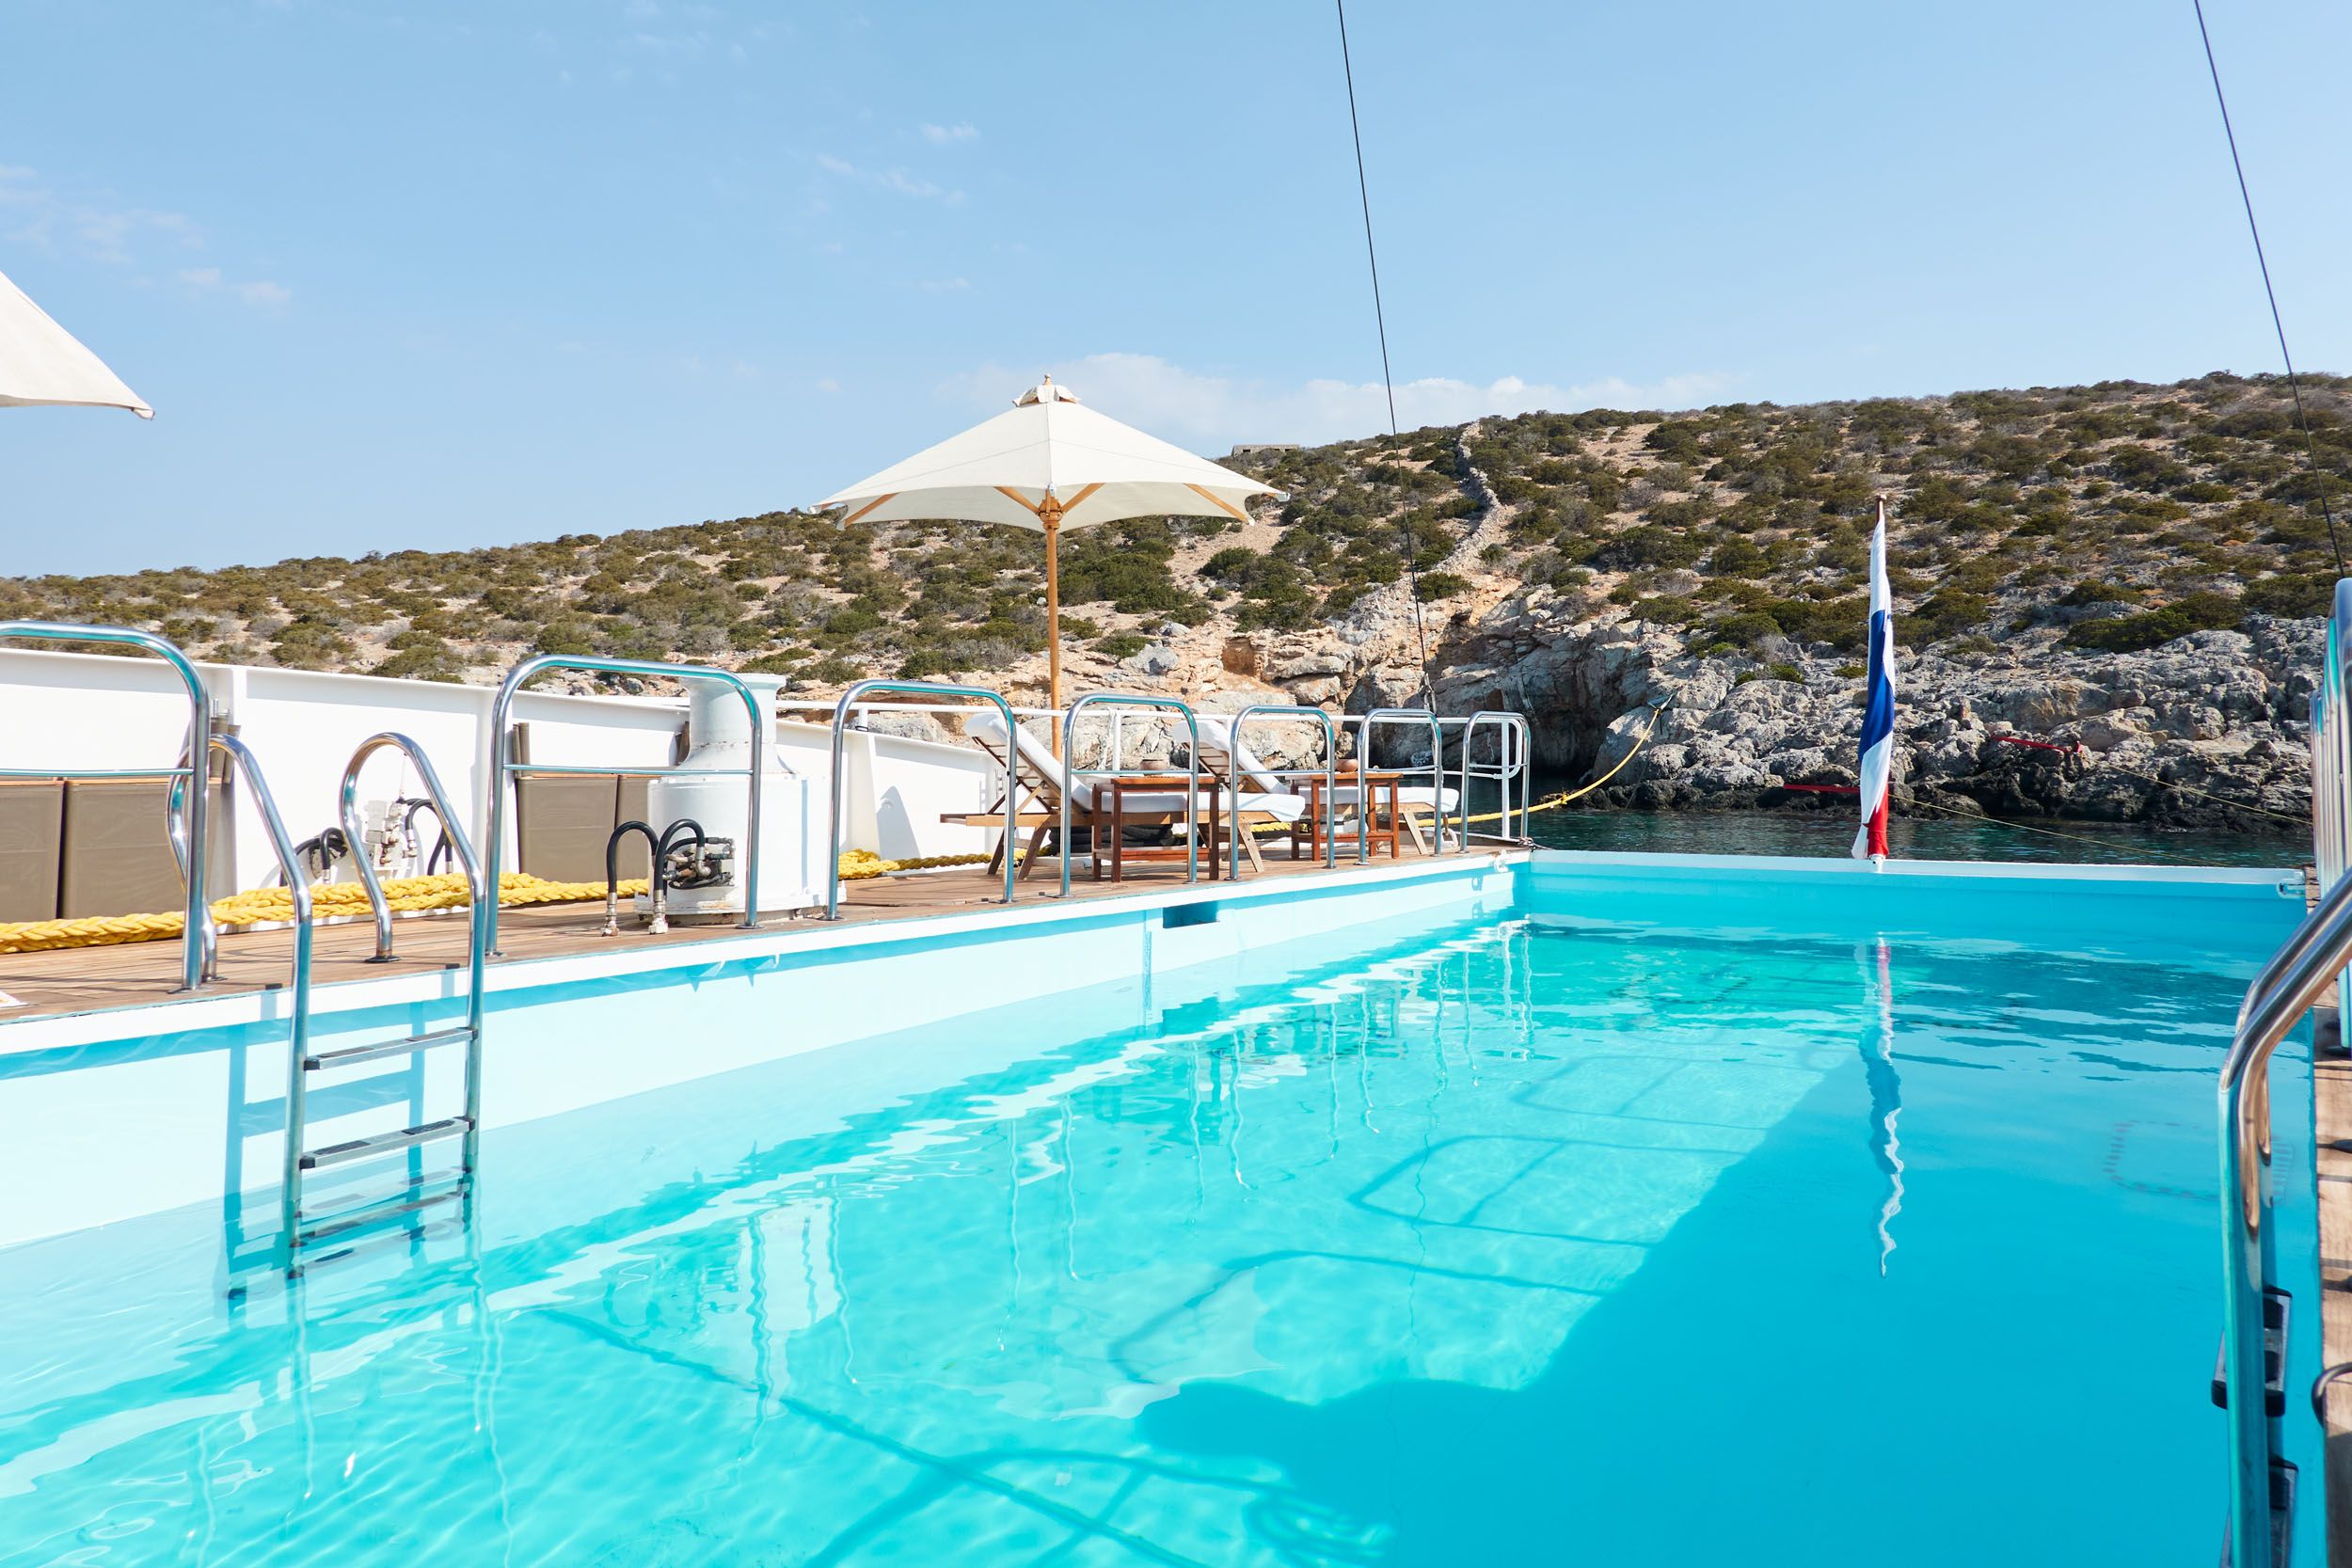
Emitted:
<point x="342" y="1220"/>
<point x="385" y="1142"/>
<point x="2278" y="1308"/>
<point x="352" y="1055"/>
<point x="2282" y="1554"/>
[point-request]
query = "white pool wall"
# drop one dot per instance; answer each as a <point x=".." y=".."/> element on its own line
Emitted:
<point x="107" y="1116"/>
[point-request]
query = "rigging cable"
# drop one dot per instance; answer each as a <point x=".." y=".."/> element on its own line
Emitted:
<point x="2310" y="450"/>
<point x="1363" y="189"/>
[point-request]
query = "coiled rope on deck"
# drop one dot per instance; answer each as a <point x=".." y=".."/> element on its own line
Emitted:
<point x="274" y="906"/>
<point x="858" y="865"/>
<point x="267" y="905"/>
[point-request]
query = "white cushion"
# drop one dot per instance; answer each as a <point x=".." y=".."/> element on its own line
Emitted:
<point x="1218" y="745"/>
<point x="989" y="728"/>
<point x="1407" y="794"/>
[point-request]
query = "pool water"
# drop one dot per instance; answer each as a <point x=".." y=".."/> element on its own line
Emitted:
<point x="1567" y="1237"/>
<point x="1829" y="833"/>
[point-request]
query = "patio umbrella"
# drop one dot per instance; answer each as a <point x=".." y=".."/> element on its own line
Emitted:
<point x="40" y="362"/>
<point x="1049" y="464"/>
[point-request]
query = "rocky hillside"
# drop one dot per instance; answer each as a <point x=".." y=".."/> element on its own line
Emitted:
<point x="2134" y="568"/>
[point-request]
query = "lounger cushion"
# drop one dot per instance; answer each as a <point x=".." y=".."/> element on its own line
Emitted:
<point x="1282" y="808"/>
<point x="1407" y="794"/>
<point x="1217" y="743"/>
<point x="988" y="730"/>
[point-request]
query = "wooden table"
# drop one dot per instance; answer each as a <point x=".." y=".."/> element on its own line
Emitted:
<point x="1377" y="783"/>
<point x="1109" y="803"/>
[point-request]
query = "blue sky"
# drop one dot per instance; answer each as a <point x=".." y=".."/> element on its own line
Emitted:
<point x="441" y="274"/>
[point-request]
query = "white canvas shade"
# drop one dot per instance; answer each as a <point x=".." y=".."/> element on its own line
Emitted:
<point x="42" y="363"/>
<point x="1047" y="464"/>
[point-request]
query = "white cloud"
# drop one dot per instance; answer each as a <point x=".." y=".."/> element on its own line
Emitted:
<point x="210" y="280"/>
<point x="672" y="45"/>
<point x="896" y="179"/>
<point x="1210" y="412"/>
<point x="34" y="213"/>
<point x="946" y="285"/>
<point x="947" y="135"/>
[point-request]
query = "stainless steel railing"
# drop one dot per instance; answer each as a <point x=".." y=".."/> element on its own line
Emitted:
<point x="501" y="714"/>
<point x="197" y="941"/>
<point x="1328" y="804"/>
<point x="849" y="700"/>
<point x="1072" y="772"/>
<point x="461" y="845"/>
<point x="242" y="760"/>
<point x="1419" y="718"/>
<point x="2306" y="969"/>
<point x="1517" y="750"/>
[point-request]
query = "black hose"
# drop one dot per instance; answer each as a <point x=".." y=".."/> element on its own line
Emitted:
<point x="328" y="847"/>
<point x="613" y="855"/>
<point x="442" y="850"/>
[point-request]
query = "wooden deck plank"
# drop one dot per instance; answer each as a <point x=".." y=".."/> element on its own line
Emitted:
<point x="80" y="979"/>
<point x="2332" y="1095"/>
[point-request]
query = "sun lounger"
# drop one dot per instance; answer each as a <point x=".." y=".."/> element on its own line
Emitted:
<point x="1108" y="807"/>
<point x="1394" y="802"/>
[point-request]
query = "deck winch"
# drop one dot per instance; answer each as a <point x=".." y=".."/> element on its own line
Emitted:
<point x="698" y="821"/>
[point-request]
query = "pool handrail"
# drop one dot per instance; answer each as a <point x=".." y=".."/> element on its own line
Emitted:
<point x="2308" y="965"/>
<point x="501" y="712"/>
<point x="2303" y="972"/>
<point x="1513" y="764"/>
<point x="241" y="761"/>
<point x="840" y="727"/>
<point x="1330" y="776"/>
<point x="197" y="939"/>
<point x="461" y="845"/>
<point x="1072" y="772"/>
<point x="1417" y="716"/>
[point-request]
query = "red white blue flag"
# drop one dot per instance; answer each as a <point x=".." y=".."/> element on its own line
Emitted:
<point x="1877" y="714"/>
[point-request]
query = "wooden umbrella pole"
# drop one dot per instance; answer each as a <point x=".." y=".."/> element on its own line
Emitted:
<point x="1049" y="514"/>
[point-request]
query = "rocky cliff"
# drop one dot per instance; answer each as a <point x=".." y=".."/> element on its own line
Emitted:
<point x="2130" y="575"/>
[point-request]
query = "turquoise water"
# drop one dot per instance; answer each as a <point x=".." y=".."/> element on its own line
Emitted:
<point x="1831" y="834"/>
<point x="1566" y="1238"/>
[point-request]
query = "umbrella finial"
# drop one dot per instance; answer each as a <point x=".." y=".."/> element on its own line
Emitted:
<point x="1044" y="391"/>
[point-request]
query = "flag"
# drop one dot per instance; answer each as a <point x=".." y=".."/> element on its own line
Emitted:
<point x="1877" y="764"/>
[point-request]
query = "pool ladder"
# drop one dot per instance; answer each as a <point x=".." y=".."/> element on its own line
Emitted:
<point x="2304" y="974"/>
<point x="301" y="1228"/>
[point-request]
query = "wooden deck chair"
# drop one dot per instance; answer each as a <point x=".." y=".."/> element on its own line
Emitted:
<point x="1416" y="804"/>
<point x="1040" y="775"/>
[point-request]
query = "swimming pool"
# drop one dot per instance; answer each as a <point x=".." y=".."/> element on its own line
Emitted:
<point x="1657" y="1215"/>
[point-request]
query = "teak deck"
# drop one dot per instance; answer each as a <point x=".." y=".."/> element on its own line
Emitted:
<point x="81" y="979"/>
<point x="2332" y="1094"/>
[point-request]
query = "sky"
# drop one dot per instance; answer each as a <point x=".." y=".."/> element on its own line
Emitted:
<point x="451" y="274"/>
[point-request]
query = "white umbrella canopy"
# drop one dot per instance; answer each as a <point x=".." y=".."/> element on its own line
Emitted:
<point x="40" y="362"/>
<point x="1048" y="463"/>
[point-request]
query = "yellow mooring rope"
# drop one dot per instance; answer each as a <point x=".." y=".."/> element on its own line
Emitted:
<point x="859" y="865"/>
<point x="1552" y="803"/>
<point x="275" y="905"/>
<point x="403" y="895"/>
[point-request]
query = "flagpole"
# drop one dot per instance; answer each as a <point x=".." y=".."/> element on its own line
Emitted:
<point x="1874" y="762"/>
